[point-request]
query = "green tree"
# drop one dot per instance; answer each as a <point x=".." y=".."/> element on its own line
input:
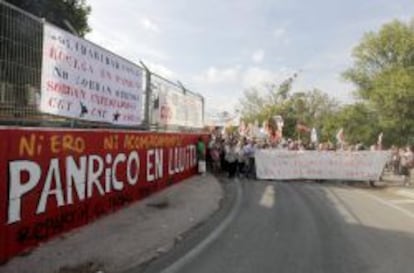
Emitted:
<point x="360" y="124"/>
<point x="66" y="14"/>
<point x="315" y="107"/>
<point x="261" y="102"/>
<point x="383" y="73"/>
<point x="310" y="108"/>
<point x="252" y="105"/>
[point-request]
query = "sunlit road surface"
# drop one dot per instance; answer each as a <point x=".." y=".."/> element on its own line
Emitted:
<point x="308" y="227"/>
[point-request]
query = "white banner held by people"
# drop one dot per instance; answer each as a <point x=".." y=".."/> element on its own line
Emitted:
<point x="339" y="165"/>
<point x="82" y="80"/>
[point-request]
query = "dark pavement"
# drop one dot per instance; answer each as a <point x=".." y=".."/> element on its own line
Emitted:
<point x="308" y="227"/>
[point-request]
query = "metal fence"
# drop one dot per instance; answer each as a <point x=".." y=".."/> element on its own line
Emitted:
<point x="21" y="43"/>
<point x="174" y="89"/>
<point x="20" y="64"/>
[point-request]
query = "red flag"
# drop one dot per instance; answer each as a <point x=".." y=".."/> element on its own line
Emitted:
<point x="302" y="128"/>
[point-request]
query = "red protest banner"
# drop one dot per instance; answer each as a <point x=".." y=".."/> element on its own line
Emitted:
<point x="56" y="180"/>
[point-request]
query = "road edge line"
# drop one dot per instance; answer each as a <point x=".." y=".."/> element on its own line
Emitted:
<point x="194" y="252"/>
<point x="391" y="205"/>
<point x="405" y="193"/>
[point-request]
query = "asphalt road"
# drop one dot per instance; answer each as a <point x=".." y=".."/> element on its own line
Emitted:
<point x="308" y="227"/>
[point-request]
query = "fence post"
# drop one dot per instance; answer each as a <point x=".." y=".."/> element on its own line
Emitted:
<point x="203" y="111"/>
<point x="186" y="112"/>
<point x="148" y="95"/>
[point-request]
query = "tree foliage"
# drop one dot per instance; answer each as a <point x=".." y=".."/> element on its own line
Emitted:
<point x="383" y="73"/>
<point x="59" y="12"/>
<point x="308" y="108"/>
<point x="360" y="124"/>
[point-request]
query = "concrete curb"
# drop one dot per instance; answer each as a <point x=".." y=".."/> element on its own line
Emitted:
<point x="200" y="237"/>
<point x="189" y="256"/>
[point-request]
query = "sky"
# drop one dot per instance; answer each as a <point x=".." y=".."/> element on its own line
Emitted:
<point x="219" y="48"/>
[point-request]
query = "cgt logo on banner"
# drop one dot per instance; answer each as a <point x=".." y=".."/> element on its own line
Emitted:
<point x="82" y="80"/>
<point x="58" y="180"/>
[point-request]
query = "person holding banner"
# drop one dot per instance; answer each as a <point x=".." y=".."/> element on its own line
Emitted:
<point x="407" y="165"/>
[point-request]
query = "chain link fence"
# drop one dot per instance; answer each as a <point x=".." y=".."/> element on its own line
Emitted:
<point x="21" y="46"/>
<point x="20" y="64"/>
<point x="162" y="88"/>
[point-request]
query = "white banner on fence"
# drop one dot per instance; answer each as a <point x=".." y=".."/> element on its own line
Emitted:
<point x="176" y="108"/>
<point x="82" y="80"/>
<point x="340" y="165"/>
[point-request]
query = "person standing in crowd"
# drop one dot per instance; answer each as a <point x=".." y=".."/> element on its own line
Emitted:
<point x="241" y="158"/>
<point x="407" y="165"/>
<point x="400" y="155"/>
<point x="201" y="156"/>
<point x="210" y="146"/>
<point x="249" y="149"/>
<point x="231" y="158"/>
<point x="215" y="156"/>
<point x="395" y="160"/>
<point x="223" y="162"/>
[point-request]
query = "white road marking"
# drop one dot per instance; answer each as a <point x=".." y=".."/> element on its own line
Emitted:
<point x="348" y="217"/>
<point x="389" y="204"/>
<point x="402" y="201"/>
<point x="268" y="197"/>
<point x="178" y="264"/>
<point x="405" y="193"/>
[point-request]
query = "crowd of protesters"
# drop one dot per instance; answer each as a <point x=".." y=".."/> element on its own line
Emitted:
<point x="233" y="154"/>
<point x="402" y="162"/>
